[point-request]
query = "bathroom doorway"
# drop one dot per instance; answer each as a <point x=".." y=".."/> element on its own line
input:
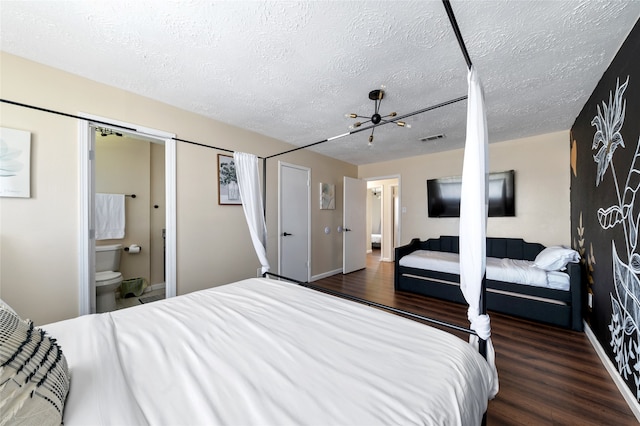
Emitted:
<point x="132" y="161"/>
<point x="374" y="218"/>
<point x="134" y="166"/>
<point x="383" y="216"/>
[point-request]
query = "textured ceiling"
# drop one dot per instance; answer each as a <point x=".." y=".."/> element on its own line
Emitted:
<point x="291" y="70"/>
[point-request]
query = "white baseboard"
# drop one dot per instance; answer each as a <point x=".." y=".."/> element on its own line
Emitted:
<point x="326" y="275"/>
<point x="154" y="287"/>
<point x="628" y="396"/>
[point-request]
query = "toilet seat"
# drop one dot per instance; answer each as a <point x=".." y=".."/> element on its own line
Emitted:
<point x="107" y="278"/>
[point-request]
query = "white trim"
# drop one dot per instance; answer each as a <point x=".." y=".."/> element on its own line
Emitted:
<point x="86" y="245"/>
<point x="154" y="287"/>
<point x="490" y="290"/>
<point x="171" y="279"/>
<point x="308" y="170"/>
<point x="279" y="216"/>
<point x="326" y="274"/>
<point x="86" y="241"/>
<point x="613" y="372"/>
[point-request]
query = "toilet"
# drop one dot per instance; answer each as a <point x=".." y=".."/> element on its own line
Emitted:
<point x="108" y="279"/>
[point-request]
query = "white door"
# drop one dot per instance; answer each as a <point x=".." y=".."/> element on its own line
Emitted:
<point x="294" y="225"/>
<point x="354" y="238"/>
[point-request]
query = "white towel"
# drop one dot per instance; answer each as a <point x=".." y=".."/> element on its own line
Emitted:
<point x="109" y="216"/>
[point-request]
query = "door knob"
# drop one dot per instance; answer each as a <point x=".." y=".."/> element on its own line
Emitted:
<point x="347" y="229"/>
<point x="285" y="234"/>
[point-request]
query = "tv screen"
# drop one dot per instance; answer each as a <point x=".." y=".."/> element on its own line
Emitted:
<point x="443" y="195"/>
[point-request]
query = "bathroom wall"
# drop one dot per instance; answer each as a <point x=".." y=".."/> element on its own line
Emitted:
<point x="129" y="165"/>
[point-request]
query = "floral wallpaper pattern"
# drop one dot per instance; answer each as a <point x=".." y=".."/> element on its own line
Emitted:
<point x="605" y="219"/>
<point x="625" y="303"/>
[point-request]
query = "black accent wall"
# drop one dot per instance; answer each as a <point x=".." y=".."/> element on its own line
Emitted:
<point x="605" y="207"/>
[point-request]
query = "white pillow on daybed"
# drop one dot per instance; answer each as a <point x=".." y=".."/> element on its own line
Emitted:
<point x="555" y="258"/>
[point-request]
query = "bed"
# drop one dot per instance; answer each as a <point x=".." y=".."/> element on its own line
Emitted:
<point x="263" y="351"/>
<point x="524" y="279"/>
<point x="376" y="240"/>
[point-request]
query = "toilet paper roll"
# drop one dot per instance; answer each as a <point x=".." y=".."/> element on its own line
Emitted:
<point x="134" y="249"/>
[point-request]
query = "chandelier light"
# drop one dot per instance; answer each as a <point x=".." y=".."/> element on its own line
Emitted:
<point x="376" y="96"/>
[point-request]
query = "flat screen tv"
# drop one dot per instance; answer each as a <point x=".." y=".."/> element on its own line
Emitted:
<point x="443" y="195"/>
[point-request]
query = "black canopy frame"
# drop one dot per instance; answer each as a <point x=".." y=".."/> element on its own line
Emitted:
<point x="465" y="53"/>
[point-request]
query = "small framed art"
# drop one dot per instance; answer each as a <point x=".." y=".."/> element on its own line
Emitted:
<point x="327" y="196"/>
<point x="15" y="163"/>
<point x="228" y="190"/>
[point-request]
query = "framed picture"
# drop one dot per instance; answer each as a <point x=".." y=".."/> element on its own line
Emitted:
<point x="15" y="163"/>
<point x="228" y="190"/>
<point x="327" y="196"/>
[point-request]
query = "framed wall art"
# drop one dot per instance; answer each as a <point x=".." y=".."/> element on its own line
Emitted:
<point x="15" y="163"/>
<point x="327" y="196"/>
<point x="228" y="190"/>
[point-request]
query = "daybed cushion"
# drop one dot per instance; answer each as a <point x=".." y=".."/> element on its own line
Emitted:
<point x="34" y="377"/>
<point x="556" y="258"/>
<point x="506" y="270"/>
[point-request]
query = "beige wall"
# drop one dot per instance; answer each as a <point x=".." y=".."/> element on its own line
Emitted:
<point x="39" y="236"/>
<point x="542" y="189"/>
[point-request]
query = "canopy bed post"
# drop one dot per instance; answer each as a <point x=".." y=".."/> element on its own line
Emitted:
<point x="482" y="343"/>
<point x="456" y="30"/>
<point x="474" y="200"/>
<point x="252" y="203"/>
<point x="264" y="187"/>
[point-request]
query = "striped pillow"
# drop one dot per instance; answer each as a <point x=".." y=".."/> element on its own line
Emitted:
<point x="34" y="377"/>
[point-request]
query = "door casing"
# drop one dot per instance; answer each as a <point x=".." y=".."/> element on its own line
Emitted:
<point x="391" y="214"/>
<point x="86" y="234"/>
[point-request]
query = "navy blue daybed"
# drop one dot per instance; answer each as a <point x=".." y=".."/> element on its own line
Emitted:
<point x="548" y="305"/>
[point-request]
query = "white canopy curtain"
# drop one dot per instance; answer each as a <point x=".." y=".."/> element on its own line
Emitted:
<point x="473" y="215"/>
<point x="250" y="194"/>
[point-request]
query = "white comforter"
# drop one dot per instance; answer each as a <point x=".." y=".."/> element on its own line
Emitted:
<point x="506" y="270"/>
<point x="264" y="352"/>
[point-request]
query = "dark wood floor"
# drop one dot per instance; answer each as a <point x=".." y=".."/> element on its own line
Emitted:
<point x="548" y="375"/>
